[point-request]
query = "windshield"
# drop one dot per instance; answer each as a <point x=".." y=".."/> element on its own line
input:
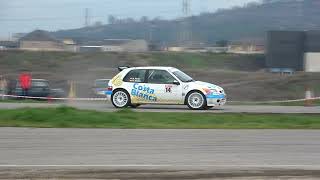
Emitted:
<point x="35" y="83"/>
<point x="182" y="76"/>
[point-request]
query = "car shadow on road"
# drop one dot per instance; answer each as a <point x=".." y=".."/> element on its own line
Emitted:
<point x="175" y="108"/>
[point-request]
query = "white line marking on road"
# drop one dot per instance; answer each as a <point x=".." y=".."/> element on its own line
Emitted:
<point x="175" y="165"/>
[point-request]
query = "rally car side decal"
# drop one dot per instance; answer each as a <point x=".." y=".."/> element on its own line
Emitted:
<point x="144" y="93"/>
<point x="117" y="81"/>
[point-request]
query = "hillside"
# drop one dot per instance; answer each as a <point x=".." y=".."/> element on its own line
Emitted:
<point x="246" y="23"/>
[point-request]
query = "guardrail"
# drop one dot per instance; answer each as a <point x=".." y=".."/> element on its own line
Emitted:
<point x="52" y="98"/>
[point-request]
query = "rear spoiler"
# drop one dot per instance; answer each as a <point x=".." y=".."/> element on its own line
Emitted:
<point x="121" y="68"/>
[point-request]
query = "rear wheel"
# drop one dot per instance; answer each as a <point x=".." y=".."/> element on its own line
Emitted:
<point x="120" y="99"/>
<point x="196" y="100"/>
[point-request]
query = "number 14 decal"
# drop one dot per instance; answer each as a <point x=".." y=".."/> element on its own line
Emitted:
<point x="168" y="88"/>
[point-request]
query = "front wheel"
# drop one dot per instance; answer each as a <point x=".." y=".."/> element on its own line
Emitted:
<point x="196" y="101"/>
<point x="120" y="99"/>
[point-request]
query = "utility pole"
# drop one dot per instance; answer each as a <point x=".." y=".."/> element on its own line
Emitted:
<point x="185" y="34"/>
<point x="186" y="8"/>
<point x="151" y="29"/>
<point x="87" y="17"/>
<point x="9" y="36"/>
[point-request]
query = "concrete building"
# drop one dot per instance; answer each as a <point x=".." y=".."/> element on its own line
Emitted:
<point x="217" y="49"/>
<point x="40" y="41"/>
<point x="312" y="51"/>
<point x="246" y="48"/>
<point x="85" y="49"/>
<point x="285" y="50"/>
<point x="177" y="49"/>
<point x="312" y="62"/>
<point x="138" y="45"/>
<point x="8" y="45"/>
<point x="115" y="45"/>
<point x="70" y="45"/>
<point x="293" y="50"/>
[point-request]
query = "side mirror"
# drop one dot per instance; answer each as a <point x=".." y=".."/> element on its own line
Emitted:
<point x="176" y="82"/>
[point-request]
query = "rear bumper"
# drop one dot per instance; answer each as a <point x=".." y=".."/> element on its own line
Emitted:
<point x="108" y="94"/>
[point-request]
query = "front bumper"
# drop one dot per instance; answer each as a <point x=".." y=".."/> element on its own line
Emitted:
<point x="216" y="100"/>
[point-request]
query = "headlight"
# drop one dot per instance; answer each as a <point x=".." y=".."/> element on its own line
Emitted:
<point x="210" y="91"/>
<point x="214" y="91"/>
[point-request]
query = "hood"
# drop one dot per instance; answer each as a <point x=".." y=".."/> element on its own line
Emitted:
<point x="208" y="85"/>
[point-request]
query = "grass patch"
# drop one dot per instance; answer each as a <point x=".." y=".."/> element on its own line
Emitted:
<point x="209" y="61"/>
<point x="53" y="61"/>
<point x="65" y="117"/>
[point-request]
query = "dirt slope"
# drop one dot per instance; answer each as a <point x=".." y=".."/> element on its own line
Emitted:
<point x="242" y="76"/>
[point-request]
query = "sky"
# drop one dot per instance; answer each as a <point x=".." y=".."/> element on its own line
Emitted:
<point x="26" y="15"/>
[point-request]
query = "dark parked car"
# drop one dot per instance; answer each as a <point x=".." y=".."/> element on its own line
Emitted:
<point x="100" y="87"/>
<point x="39" y="88"/>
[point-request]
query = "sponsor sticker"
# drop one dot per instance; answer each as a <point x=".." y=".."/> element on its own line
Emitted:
<point x="143" y="93"/>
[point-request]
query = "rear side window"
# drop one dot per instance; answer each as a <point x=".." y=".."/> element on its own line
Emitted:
<point x="136" y="76"/>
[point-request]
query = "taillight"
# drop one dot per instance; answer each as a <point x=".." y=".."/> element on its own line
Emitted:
<point x="109" y="88"/>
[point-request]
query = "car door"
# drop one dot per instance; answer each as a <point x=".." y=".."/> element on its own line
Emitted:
<point x="162" y="82"/>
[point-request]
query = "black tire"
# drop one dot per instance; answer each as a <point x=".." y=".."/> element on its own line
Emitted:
<point x="198" y="95"/>
<point x="120" y="98"/>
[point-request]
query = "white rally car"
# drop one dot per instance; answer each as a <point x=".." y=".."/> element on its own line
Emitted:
<point x="162" y="85"/>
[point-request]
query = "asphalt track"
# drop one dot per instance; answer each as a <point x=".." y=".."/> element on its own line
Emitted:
<point x="152" y="154"/>
<point x="103" y="106"/>
<point x="160" y="154"/>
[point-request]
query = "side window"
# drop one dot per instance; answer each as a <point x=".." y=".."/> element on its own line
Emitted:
<point x="160" y="77"/>
<point x="136" y="76"/>
<point x="39" y="84"/>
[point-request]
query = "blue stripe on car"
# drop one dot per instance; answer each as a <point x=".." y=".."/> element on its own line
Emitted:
<point x="108" y="92"/>
<point x="220" y="96"/>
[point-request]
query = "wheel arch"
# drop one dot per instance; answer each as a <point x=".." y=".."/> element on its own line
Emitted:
<point x="120" y="89"/>
<point x="191" y="91"/>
